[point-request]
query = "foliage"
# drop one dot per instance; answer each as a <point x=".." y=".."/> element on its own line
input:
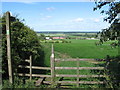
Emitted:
<point x="42" y="37"/>
<point x="18" y="83"/>
<point x="55" y="41"/>
<point x="24" y="42"/>
<point x="112" y="33"/>
<point x="112" y="12"/>
<point x="113" y="17"/>
<point x="112" y="71"/>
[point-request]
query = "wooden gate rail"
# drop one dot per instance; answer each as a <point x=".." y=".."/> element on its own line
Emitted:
<point x="76" y="82"/>
<point x="82" y="82"/>
<point x="82" y="76"/>
<point x="36" y="67"/>
<point x="80" y="68"/>
<point x="72" y="59"/>
<point x="34" y="75"/>
<point x="33" y="67"/>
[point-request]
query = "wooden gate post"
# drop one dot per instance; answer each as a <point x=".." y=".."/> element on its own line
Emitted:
<point x="77" y="73"/>
<point x="9" y="47"/>
<point x="52" y="66"/>
<point x="30" y="67"/>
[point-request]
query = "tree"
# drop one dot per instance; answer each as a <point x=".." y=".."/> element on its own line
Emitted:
<point x="24" y="42"/>
<point x="112" y="33"/>
<point x="113" y="17"/>
<point x="42" y="37"/>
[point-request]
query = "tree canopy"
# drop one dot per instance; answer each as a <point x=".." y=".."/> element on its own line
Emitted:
<point x="113" y="17"/>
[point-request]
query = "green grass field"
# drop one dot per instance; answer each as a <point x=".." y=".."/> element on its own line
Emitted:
<point x="79" y="49"/>
<point x="85" y="49"/>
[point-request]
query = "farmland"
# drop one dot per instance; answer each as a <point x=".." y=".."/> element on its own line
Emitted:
<point x="70" y="34"/>
<point x="80" y="49"/>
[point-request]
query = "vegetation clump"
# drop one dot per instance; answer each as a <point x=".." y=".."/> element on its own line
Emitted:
<point x="24" y="42"/>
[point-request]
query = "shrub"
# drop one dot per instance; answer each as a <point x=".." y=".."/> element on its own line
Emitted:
<point x="112" y="71"/>
<point x="24" y="42"/>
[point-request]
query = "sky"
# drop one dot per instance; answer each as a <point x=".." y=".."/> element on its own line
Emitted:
<point x="57" y="16"/>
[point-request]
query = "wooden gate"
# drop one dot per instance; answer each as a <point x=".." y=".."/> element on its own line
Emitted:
<point x="53" y="68"/>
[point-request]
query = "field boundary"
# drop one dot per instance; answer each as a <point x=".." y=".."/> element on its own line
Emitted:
<point x="53" y="68"/>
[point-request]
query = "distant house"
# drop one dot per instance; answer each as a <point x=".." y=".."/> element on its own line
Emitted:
<point x="58" y="38"/>
<point x="93" y="38"/>
<point x="48" y="38"/>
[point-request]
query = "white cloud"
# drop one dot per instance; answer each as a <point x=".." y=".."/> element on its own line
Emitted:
<point x="46" y="18"/>
<point x="96" y="20"/>
<point x="50" y="9"/>
<point x="78" y="20"/>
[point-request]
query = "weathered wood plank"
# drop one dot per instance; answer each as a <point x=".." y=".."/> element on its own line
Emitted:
<point x="30" y="68"/>
<point x="36" y="67"/>
<point x="74" y="82"/>
<point x="72" y="59"/>
<point x="8" y="36"/>
<point x="39" y="81"/>
<point x="82" y="76"/>
<point x="27" y="60"/>
<point x="47" y="82"/>
<point x="82" y="82"/>
<point x="34" y="75"/>
<point x="52" y="62"/>
<point x="80" y="68"/>
<point x="78" y="73"/>
<point x="58" y="84"/>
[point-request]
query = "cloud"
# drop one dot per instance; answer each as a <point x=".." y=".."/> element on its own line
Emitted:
<point x="46" y="17"/>
<point x="78" y="20"/>
<point x="96" y="20"/>
<point x="50" y="9"/>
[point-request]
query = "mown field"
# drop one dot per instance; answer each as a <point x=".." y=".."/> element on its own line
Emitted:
<point x="79" y="49"/>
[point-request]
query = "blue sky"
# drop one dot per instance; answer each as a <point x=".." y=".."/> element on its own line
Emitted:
<point x="58" y="16"/>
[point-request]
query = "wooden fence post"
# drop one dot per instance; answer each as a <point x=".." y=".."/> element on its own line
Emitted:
<point x="9" y="47"/>
<point x="30" y="67"/>
<point x="52" y="66"/>
<point x="77" y="73"/>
